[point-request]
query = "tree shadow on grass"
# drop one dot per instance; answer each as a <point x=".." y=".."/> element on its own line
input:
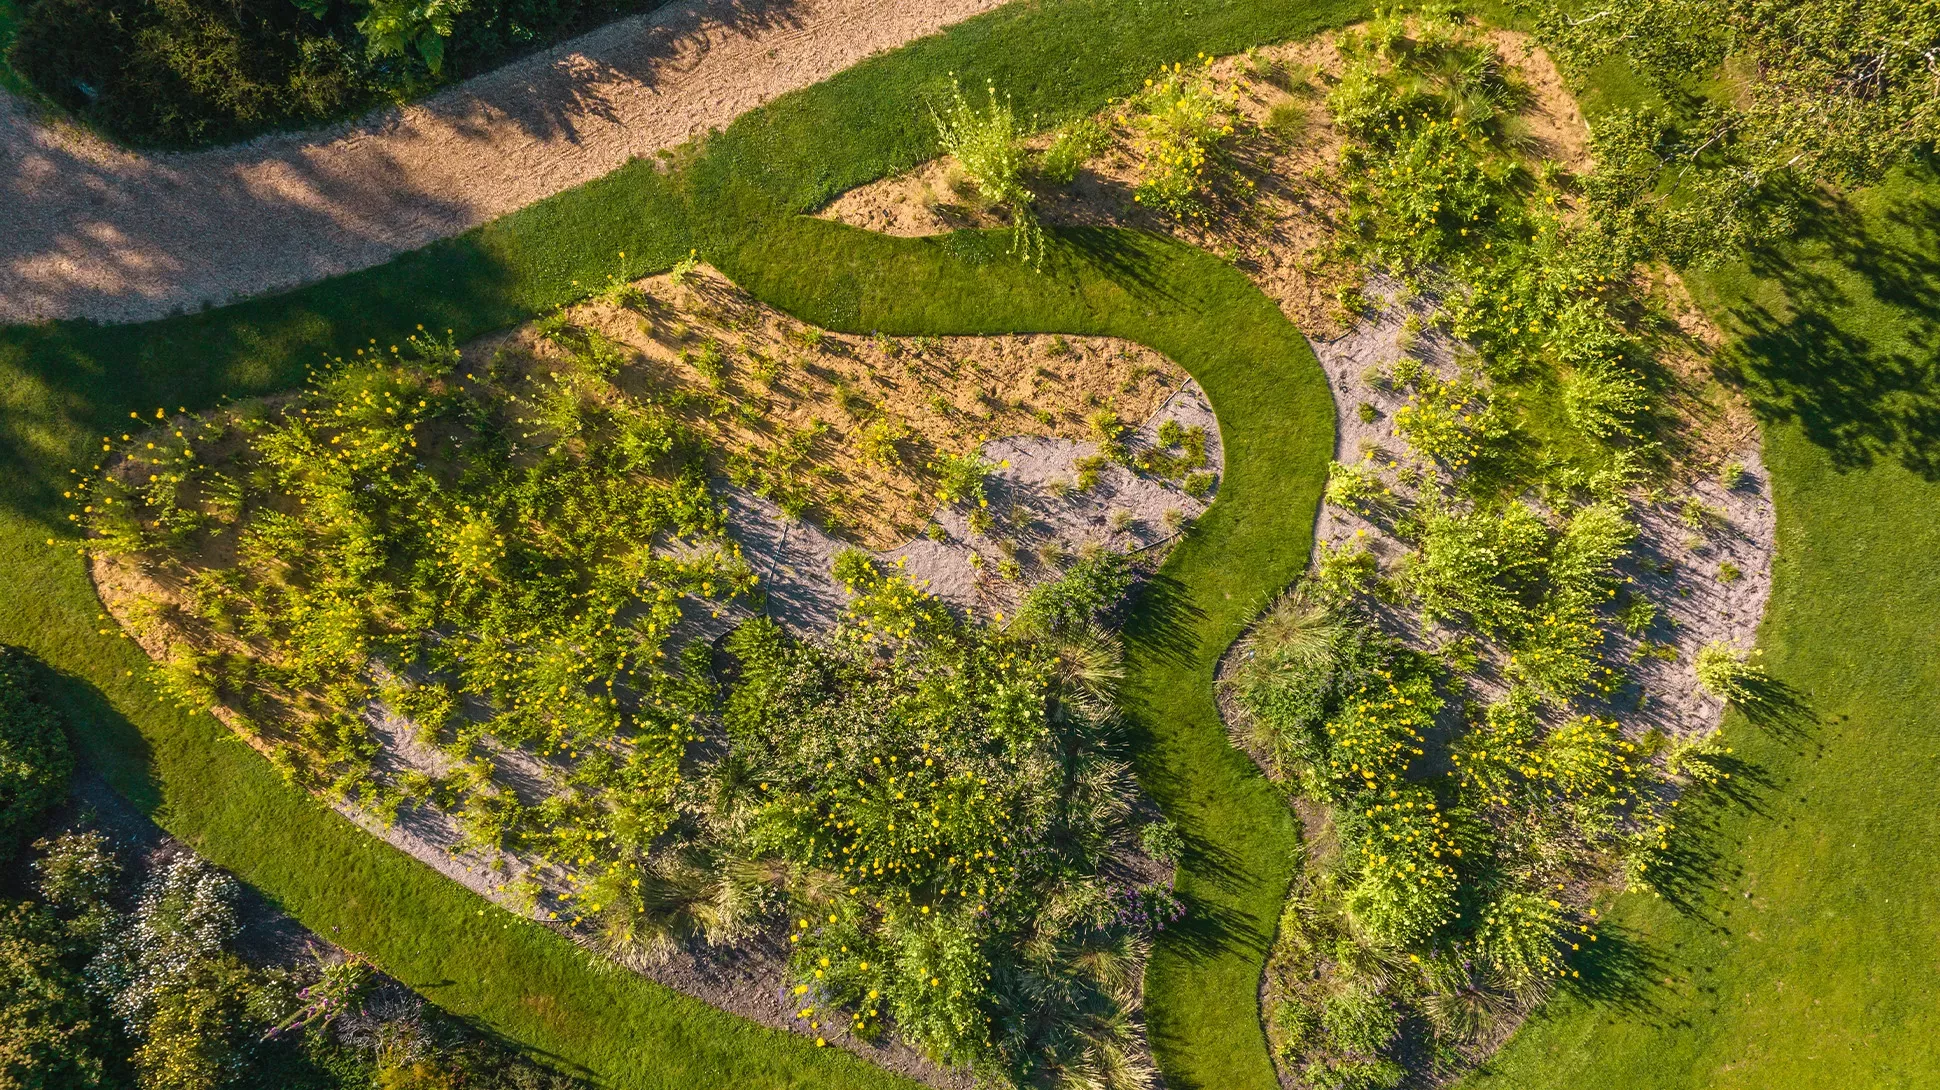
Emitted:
<point x="1864" y="390"/>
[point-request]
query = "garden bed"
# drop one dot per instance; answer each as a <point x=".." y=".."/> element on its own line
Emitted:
<point x="1477" y="461"/>
<point x="749" y="396"/>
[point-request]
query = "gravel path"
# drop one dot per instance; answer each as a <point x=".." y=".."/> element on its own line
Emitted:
<point x="94" y="231"/>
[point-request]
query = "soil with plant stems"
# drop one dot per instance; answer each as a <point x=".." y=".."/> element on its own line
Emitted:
<point x="95" y="231"/>
<point x="1038" y="515"/>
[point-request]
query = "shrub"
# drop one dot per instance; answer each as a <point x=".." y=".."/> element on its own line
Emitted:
<point x="54" y="1032"/>
<point x="1083" y="596"/>
<point x="961" y="477"/>
<point x="1404" y="850"/>
<point x="34" y="759"/>
<point x="1445" y="420"/>
<point x="1521" y="934"/>
<point x="1357" y="488"/>
<point x="1180" y="118"/>
<point x="1728" y="673"/>
<point x="1360" y="1021"/>
<point x="1485" y="564"/>
<point x="1603" y="399"/>
<point x="988" y="144"/>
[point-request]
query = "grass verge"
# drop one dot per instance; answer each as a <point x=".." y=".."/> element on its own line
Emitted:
<point x="1798" y="953"/>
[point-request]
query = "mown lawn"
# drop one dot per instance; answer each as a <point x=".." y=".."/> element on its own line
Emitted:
<point x="1821" y="977"/>
<point x="1805" y="953"/>
<point x="735" y="202"/>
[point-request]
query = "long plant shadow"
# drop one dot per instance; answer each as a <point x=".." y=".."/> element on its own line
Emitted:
<point x="1623" y="971"/>
<point x="1163" y="621"/>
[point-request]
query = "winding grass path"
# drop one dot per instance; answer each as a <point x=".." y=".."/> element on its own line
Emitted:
<point x="1821" y="978"/>
<point x="738" y="201"/>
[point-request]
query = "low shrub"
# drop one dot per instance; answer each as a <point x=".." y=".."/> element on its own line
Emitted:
<point x="34" y="759"/>
<point x="1181" y="119"/>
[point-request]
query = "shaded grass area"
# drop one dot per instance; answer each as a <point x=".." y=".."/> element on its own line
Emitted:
<point x="1797" y="948"/>
<point x="734" y="201"/>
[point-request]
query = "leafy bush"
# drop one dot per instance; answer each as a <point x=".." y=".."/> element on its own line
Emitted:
<point x="1079" y="598"/>
<point x="1728" y="673"/>
<point x="988" y="143"/>
<point x="1072" y="146"/>
<point x="54" y="1032"/>
<point x="961" y="477"/>
<point x="34" y="759"/>
<point x="1485" y="565"/>
<point x="1404" y="851"/>
<point x="1181" y="118"/>
<point x="1357" y="488"/>
<point x="1521" y="935"/>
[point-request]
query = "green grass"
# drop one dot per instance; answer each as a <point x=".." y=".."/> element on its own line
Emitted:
<point x="1824" y="975"/>
<point x="735" y="202"/>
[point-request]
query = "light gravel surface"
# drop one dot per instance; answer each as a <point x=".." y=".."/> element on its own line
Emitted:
<point x="89" y="230"/>
<point x="1677" y="568"/>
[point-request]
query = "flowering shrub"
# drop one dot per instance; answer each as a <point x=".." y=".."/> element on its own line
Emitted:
<point x="1728" y="673"/>
<point x="1406" y="857"/>
<point x="1445" y="420"/>
<point x="1180" y="118"/>
<point x="989" y="145"/>
<point x="1357" y="488"/>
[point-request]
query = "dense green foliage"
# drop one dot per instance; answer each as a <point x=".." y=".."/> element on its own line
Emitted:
<point x="174" y="72"/>
<point x="1473" y="801"/>
<point x="950" y="800"/>
<point x="480" y="530"/>
<point x="156" y="997"/>
<point x="1757" y="101"/>
<point x="34" y="758"/>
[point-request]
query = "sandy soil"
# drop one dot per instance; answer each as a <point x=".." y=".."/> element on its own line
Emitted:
<point x="774" y="382"/>
<point x="94" y="231"/>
